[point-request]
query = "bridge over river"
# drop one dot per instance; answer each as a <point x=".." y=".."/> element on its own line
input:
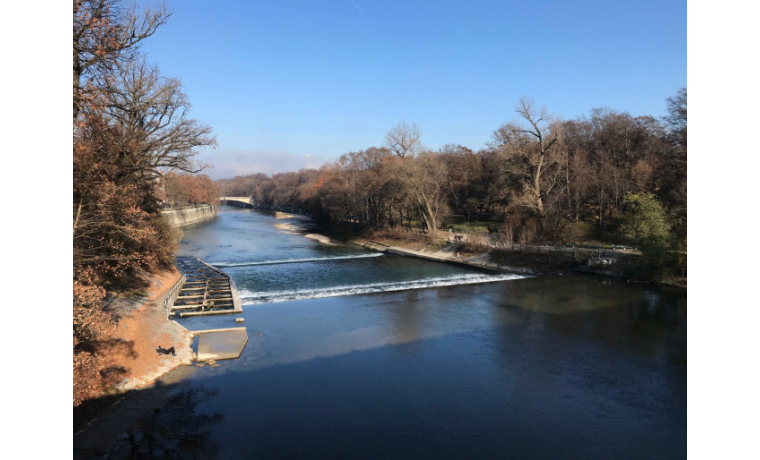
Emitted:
<point x="239" y="201"/>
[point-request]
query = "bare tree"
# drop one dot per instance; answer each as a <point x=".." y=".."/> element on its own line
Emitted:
<point x="425" y="179"/>
<point x="465" y="179"/>
<point x="676" y="117"/>
<point x="151" y="111"/>
<point x="527" y="147"/>
<point x="105" y="33"/>
<point x="403" y="139"/>
<point x="675" y="173"/>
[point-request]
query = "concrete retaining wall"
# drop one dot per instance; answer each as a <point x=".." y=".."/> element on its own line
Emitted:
<point x="187" y="216"/>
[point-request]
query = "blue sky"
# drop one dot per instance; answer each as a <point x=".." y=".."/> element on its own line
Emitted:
<point x="293" y="84"/>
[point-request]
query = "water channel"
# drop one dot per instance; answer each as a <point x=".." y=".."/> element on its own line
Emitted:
<point x="352" y="354"/>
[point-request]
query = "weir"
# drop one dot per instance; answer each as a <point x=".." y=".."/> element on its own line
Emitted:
<point x="254" y="298"/>
<point x="205" y="290"/>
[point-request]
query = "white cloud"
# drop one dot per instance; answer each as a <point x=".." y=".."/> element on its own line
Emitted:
<point x="233" y="163"/>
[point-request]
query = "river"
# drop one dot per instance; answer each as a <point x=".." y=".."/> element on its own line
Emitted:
<point x="352" y="354"/>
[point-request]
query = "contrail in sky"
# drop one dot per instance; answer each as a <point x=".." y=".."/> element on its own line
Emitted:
<point x="357" y="6"/>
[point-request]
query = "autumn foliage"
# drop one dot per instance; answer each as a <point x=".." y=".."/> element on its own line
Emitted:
<point x="118" y="230"/>
<point x="540" y="179"/>
<point x="189" y="189"/>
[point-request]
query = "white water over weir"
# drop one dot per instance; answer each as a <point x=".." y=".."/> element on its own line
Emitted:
<point x="254" y="298"/>
<point x="295" y="261"/>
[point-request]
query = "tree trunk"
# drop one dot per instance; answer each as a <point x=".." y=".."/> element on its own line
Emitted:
<point x="77" y="83"/>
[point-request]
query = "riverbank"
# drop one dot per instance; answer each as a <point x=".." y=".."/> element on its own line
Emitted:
<point x="534" y="260"/>
<point x="142" y="326"/>
<point x="148" y="328"/>
<point x="419" y="244"/>
<point x="527" y="259"/>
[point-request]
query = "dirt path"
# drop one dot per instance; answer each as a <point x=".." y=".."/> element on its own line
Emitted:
<point x="147" y="328"/>
<point x="140" y="328"/>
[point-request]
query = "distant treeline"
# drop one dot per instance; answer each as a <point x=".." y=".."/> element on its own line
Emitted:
<point x="539" y="178"/>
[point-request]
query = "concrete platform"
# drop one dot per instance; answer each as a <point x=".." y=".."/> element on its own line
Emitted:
<point x="221" y="344"/>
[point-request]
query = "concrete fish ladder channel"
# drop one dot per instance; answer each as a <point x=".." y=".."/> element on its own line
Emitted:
<point x="205" y="291"/>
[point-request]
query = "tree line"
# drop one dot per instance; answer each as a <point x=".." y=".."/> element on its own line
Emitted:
<point x="180" y="189"/>
<point x="130" y="124"/>
<point x="539" y="179"/>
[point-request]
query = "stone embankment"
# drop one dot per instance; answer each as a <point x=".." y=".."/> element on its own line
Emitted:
<point x="189" y="215"/>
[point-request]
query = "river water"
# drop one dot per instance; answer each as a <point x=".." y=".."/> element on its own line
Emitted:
<point x="352" y="354"/>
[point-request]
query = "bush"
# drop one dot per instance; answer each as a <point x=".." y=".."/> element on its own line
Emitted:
<point x="645" y="225"/>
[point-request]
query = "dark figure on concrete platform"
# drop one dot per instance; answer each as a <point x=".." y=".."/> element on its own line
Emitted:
<point x="166" y="351"/>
